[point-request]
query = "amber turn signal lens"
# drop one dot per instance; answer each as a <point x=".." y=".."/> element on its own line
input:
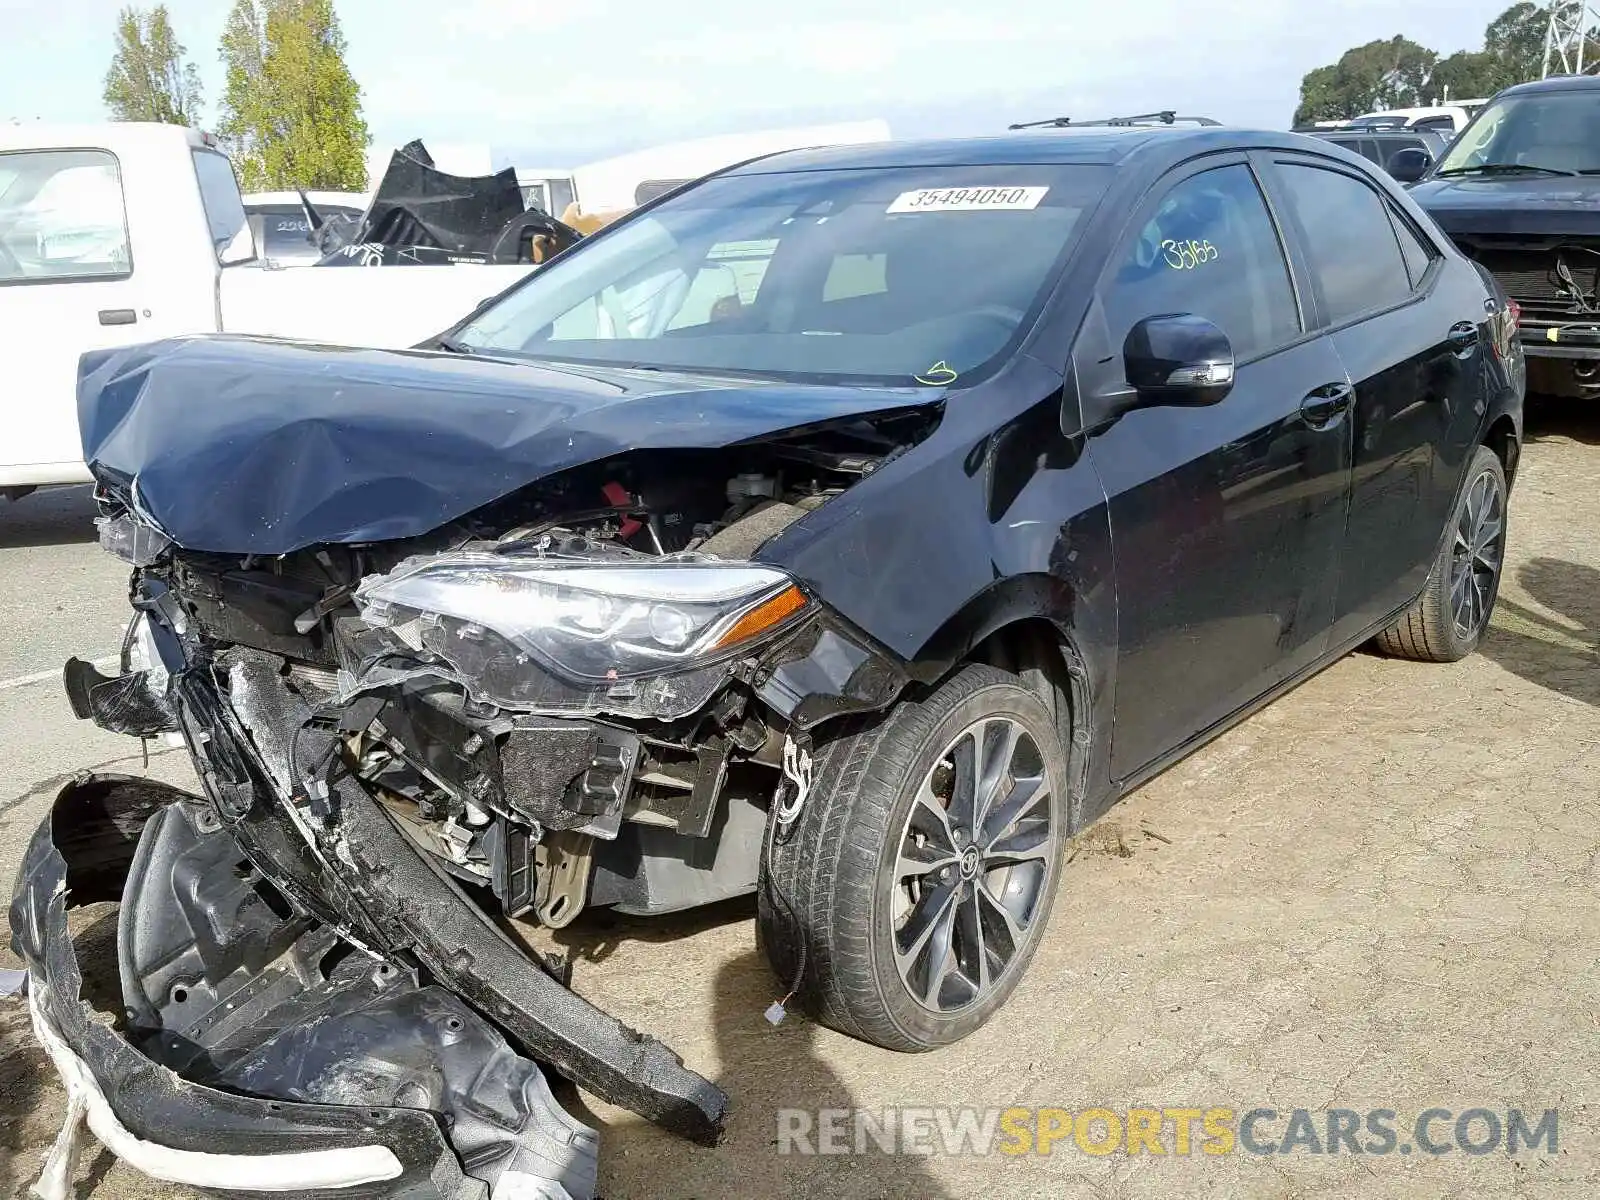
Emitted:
<point x="763" y="617"/>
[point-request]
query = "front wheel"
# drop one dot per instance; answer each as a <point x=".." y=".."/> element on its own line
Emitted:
<point x="1451" y="616"/>
<point x="921" y="871"/>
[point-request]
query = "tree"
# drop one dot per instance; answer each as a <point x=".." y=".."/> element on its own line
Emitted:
<point x="291" y="110"/>
<point x="1515" y="42"/>
<point x="1465" y="75"/>
<point x="148" y="79"/>
<point x="1378" y="75"/>
<point x="1400" y="74"/>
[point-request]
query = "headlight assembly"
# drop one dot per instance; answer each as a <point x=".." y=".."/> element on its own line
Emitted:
<point x="591" y="622"/>
<point x="131" y="540"/>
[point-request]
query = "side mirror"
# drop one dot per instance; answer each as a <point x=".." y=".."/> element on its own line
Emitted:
<point x="1410" y="165"/>
<point x="1178" y="359"/>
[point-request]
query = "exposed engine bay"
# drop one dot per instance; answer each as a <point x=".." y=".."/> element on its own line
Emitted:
<point x="551" y="789"/>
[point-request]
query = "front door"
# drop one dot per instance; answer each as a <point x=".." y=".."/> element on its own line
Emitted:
<point x="68" y="283"/>
<point x="1227" y="521"/>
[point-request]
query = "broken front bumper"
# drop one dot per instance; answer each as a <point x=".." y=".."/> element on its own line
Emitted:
<point x="306" y="991"/>
<point x="166" y="1126"/>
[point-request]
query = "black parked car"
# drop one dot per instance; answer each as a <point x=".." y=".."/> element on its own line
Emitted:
<point x="852" y="527"/>
<point x="1380" y="145"/>
<point x="1519" y="192"/>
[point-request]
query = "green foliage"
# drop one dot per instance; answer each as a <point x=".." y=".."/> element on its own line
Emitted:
<point x="291" y="111"/>
<point x="1381" y="74"/>
<point x="148" y="79"/>
<point x="1466" y="75"/>
<point x="1401" y="74"/>
<point x="1515" y="40"/>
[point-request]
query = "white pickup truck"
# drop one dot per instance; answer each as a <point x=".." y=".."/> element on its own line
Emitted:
<point x="121" y="233"/>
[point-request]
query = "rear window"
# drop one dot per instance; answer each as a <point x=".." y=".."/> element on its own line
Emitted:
<point x="62" y="216"/>
<point x="285" y="230"/>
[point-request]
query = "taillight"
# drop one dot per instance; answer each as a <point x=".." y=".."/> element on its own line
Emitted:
<point x="1506" y="334"/>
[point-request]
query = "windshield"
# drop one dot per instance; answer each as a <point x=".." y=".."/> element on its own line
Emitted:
<point x="886" y="274"/>
<point x="1544" y="131"/>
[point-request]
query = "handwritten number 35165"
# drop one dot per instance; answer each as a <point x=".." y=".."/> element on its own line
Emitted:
<point x="1186" y="256"/>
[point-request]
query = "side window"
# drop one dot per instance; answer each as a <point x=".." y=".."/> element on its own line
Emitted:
<point x="1419" y="255"/>
<point x="62" y="217"/>
<point x="219" y="195"/>
<point x="1372" y="149"/>
<point x="1210" y="248"/>
<point x="1349" y="238"/>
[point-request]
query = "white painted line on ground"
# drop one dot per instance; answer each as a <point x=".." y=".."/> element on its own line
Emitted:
<point x="109" y="662"/>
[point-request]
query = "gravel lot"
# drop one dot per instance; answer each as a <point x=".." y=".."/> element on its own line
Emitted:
<point x="1378" y="893"/>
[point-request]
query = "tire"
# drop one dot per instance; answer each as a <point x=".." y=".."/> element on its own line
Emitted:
<point x="1446" y="624"/>
<point x="833" y="892"/>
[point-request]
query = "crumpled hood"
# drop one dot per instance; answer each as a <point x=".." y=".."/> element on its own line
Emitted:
<point x="1514" y="205"/>
<point x="254" y="446"/>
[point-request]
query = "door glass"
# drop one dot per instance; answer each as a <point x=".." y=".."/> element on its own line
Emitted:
<point x="62" y="217"/>
<point x="1349" y="239"/>
<point x="1418" y="254"/>
<point x="1210" y="249"/>
<point x="560" y="193"/>
<point x="219" y="195"/>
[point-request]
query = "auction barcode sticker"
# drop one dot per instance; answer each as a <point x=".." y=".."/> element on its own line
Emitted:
<point x="967" y="199"/>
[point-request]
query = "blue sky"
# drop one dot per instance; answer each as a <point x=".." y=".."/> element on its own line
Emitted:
<point x="556" y="84"/>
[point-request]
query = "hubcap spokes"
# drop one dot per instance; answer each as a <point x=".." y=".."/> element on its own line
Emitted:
<point x="1476" y="557"/>
<point x="974" y="860"/>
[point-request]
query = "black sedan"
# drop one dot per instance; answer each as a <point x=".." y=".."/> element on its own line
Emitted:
<point x="851" y="527"/>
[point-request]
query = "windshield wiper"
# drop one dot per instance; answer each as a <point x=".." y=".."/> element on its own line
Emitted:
<point x="1503" y="169"/>
<point x="452" y="346"/>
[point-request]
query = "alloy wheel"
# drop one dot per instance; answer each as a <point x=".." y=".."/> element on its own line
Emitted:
<point x="1476" y="559"/>
<point x="974" y="866"/>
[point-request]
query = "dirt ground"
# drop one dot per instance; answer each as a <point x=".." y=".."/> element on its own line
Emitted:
<point x="1378" y="893"/>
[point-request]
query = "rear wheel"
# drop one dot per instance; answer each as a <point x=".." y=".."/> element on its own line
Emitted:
<point x="921" y="871"/>
<point x="1450" y="617"/>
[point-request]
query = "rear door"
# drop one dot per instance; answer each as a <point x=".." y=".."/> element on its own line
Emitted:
<point x="1226" y="521"/>
<point x="1407" y="326"/>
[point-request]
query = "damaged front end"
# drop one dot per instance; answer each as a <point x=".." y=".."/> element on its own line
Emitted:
<point x="589" y="693"/>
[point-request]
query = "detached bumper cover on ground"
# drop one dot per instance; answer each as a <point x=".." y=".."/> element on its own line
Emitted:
<point x="348" y="1070"/>
<point x="146" y="1113"/>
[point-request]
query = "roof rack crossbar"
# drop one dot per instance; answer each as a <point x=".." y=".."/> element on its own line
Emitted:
<point x="1164" y="117"/>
